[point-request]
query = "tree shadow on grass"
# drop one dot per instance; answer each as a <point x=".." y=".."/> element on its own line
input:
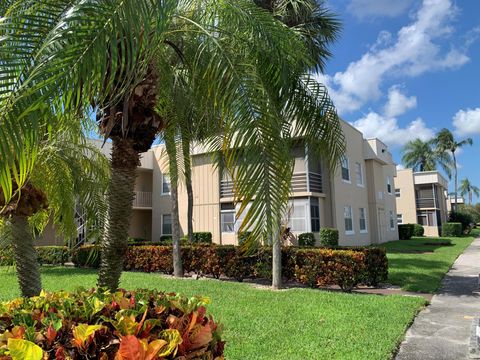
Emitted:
<point x="66" y="271"/>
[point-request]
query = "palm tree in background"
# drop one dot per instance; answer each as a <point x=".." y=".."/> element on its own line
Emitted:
<point x="466" y="187"/>
<point x="67" y="173"/>
<point x="446" y="142"/>
<point x="423" y="156"/>
<point x="118" y="53"/>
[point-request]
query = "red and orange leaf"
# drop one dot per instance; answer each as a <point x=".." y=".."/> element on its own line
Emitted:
<point x="130" y="349"/>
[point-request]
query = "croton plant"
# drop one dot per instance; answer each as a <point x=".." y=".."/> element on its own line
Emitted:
<point x="93" y="324"/>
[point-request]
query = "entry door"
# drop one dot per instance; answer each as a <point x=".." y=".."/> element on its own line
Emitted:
<point x="382" y="226"/>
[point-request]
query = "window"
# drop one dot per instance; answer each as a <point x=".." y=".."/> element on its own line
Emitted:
<point x="362" y="220"/>
<point x="359" y="174"/>
<point x="166" y="224"/>
<point x="298" y="217"/>
<point x="314" y="215"/>
<point x="227" y="217"/>
<point x="399" y="219"/>
<point x="165" y="184"/>
<point x="389" y="184"/>
<point x="345" y="169"/>
<point x="392" y="221"/>
<point x="347" y="215"/>
<point x="426" y="218"/>
<point x="397" y="192"/>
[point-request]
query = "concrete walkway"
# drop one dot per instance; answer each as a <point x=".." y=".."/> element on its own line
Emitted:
<point x="442" y="330"/>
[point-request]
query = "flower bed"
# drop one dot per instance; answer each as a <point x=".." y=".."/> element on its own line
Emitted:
<point x="314" y="267"/>
<point x="125" y="325"/>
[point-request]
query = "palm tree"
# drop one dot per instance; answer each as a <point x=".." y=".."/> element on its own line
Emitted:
<point x="466" y="187"/>
<point x="118" y="53"/>
<point x="67" y="172"/>
<point x="446" y="142"/>
<point x="422" y="156"/>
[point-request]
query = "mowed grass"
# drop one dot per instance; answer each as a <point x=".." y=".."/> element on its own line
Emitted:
<point x="418" y="267"/>
<point x="263" y="324"/>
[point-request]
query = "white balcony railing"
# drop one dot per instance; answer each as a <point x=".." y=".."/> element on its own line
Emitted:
<point x="143" y="199"/>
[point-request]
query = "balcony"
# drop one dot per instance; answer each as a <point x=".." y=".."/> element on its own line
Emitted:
<point x="426" y="203"/>
<point x="142" y="200"/>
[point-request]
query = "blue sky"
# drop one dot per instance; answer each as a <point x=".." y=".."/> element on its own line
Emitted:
<point x="404" y="69"/>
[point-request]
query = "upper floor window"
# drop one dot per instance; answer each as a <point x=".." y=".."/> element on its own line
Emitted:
<point x="348" y="217"/>
<point x="315" y="215"/>
<point x="389" y="184"/>
<point x="166" y="224"/>
<point x="392" y="221"/>
<point x="165" y="184"/>
<point x="397" y="192"/>
<point x="359" y="174"/>
<point x="227" y="217"/>
<point x="345" y="169"/>
<point x="362" y="220"/>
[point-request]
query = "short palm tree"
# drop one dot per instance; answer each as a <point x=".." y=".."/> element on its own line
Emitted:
<point x="466" y="187"/>
<point x="67" y="173"/>
<point x="118" y="53"/>
<point x="446" y="142"/>
<point x="422" y="156"/>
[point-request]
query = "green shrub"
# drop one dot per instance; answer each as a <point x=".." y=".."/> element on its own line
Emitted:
<point x="452" y="229"/>
<point x="86" y="256"/>
<point x="315" y="267"/>
<point x="328" y="237"/>
<point x="142" y="324"/>
<point x="306" y="239"/>
<point x="405" y="231"/>
<point x="7" y="257"/>
<point x="202" y="237"/>
<point x="418" y="230"/>
<point x="165" y="238"/>
<point x="464" y="218"/>
<point x="52" y="255"/>
<point x="243" y="236"/>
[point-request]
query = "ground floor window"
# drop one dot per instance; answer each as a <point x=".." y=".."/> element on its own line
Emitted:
<point x="348" y="217"/>
<point x="227" y="217"/>
<point x="392" y="221"/>
<point x="399" y="219"/>
<point x="314" y="215"/>
<point x="426" y="218"/>
<point x="362" y="220"/>
<point x="166" y="224"/>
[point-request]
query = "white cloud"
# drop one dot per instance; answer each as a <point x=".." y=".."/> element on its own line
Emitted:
<point x="387" y="129"/>
<point x="398" y="103"/>
<point x="416" y="49"/>
<point x="400" y="167"/>
<point x="376" y="8"/>
<point x="467" y="122"/>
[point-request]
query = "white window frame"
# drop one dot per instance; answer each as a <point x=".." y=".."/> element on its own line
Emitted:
<point x="227" y="211"/>
<point x="362" y="231"/>
<point x="164" y="176"/>
<point x="399" y="217"/>
<point x="162" y="222"/>
<point x="389" y="185"/>
<point x="398" y="192"/>
<point x="359" y="169"/>
<point x="392" y="220"/>
<point x="300" y="203"/>
<point x="352" y="231"/>
<point x="349" y="180"/>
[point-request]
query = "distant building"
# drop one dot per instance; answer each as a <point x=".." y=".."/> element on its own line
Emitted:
<point x="421" y="199"/>
<point x="451" y="201"/>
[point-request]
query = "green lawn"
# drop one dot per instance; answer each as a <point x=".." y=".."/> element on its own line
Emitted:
<point x="419" y="267"/>
<point x="262" y="324"/>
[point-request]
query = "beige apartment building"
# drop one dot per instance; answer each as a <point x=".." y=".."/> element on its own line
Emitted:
<point x="358" y="199"/>
<point x="421" y="199"/>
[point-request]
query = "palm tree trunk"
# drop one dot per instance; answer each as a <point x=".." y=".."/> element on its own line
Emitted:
<point x="277" y="260"/>
<point x="125" y="160"/>
<point x="187" y="163"/>
<point x="25" y="257"/>
<point x="456" y="177"/>
<point x="173" y="170"/>
<point x="470" y="197"/>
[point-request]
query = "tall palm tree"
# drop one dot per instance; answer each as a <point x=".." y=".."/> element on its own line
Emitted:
<point x="67" y="172"/>
<point x="446" y="142"/>
<point x="466" y="187"/>
<point x="117" y="54"/>
<point x="422" y="156"/>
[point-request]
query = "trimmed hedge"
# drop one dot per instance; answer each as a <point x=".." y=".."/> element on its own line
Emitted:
<point x="418" y="230"/>
<point x="328" y="237"/>
<point x="306" y="239"/>
<point x="405" y="231"/>
<point x="315" y="267"/>
<point x="452" y="229"/>
<point x="52" y="255"/>
<point x="87" y="256"/>
<point x="141" y="324"/>
<point x="464" y="218"/>
<point x="202" y="237"/>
